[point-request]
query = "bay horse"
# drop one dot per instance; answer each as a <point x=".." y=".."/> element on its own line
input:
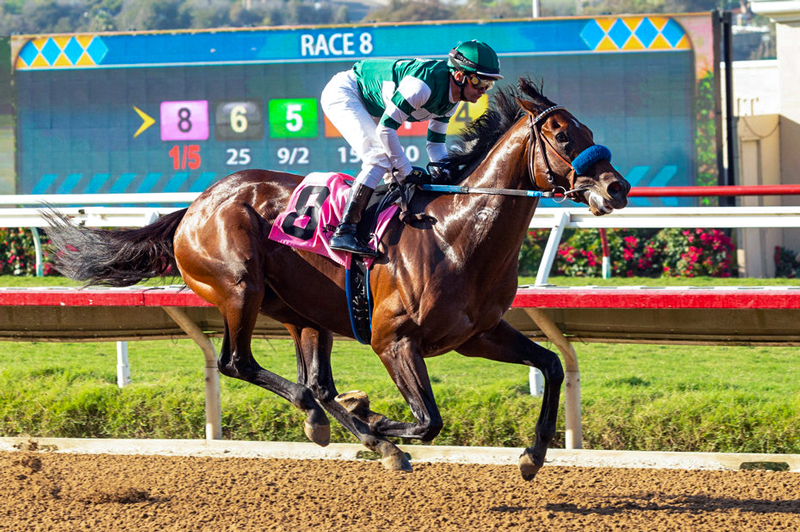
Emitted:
<point x="441" y="286"/>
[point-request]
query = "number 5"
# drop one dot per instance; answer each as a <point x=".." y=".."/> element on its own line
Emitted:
<point x="294" y="120"/>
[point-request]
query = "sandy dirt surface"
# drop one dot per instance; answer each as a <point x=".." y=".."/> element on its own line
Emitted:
<point x="73" y="492"/>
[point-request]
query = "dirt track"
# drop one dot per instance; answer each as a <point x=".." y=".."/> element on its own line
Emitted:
<point x="70" y="492"/>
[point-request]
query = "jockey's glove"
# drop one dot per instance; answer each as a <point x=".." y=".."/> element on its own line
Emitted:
<point x="439" y="173"/>
<point x="417" y="176"/>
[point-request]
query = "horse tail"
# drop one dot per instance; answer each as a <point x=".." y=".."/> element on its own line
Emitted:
<point x="114" y="258"/>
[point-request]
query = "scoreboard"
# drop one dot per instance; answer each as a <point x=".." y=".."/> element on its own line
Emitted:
<point x="170" y="112"/>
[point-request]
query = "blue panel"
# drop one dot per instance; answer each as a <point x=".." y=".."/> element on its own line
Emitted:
<point x="81" y="121"/>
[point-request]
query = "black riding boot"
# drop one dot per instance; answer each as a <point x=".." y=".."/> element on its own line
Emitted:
<point x="345" y="238"/>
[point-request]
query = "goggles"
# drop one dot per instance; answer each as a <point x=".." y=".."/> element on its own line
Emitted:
<point x="479" y="82"/>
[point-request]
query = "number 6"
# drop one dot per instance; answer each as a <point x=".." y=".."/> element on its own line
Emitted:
<point x="238" y="119"/>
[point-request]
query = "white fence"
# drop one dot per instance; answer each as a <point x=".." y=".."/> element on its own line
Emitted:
<point x="116" y="210"/>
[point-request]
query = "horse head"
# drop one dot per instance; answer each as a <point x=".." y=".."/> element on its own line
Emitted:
<point x="562" y="155"/>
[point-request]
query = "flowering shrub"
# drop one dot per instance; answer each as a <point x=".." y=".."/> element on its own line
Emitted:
<point x="18" y="255"/>
<point x="643" y="252"/>
<point x="787" y="263"/>
<point x="693" y="252"/>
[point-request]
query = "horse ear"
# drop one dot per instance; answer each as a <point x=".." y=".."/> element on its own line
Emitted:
<point x="528" y="106"/>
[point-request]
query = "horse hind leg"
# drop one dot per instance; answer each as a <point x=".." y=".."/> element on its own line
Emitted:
<point x="313" y="347"/>
<point x="236" y="360"/>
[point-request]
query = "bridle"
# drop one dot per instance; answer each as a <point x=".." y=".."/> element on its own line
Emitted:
<point x="535" y="137"/>
<point x="577" y="166"/>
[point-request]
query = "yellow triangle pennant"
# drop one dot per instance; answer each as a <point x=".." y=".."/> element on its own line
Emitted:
<point x="62" y="61"/>
<point x="39" y="62"/>
<point x="660" y="43"/>
<point x="85" y="60"/>
<point x="684" y="43"/>
<point x="632" y="22"/>
<point x="62" y="40"/>
<point x="605" y="23"/>
<point x="84" y="40"/>
<point x="606" y="45"/>
<point x="634" y="44"/>
<point x="659" y="22"/>
<point x="39" y="43"/>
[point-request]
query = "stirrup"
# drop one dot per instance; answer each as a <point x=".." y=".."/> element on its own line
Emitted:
<point x="344" y="239"/>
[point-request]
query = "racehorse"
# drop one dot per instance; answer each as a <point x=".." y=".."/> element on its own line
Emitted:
<point x="442" y="285"/>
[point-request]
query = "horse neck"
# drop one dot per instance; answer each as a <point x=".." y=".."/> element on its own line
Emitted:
<point x="495" y="225"/>
<point x="506" y="164"/>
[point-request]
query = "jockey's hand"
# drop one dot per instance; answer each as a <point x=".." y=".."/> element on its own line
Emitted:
<point x="414" y="173"/>
<point x="417" y="176"/>
<point x="439" y="173"/>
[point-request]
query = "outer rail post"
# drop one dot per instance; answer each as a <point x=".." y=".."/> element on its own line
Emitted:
<point x="549" y="254"/>
<point x="123" y="368"/>
<point x="213" y="401"/>
<point x="37" y="249"/>
<point x="572" y="394"/>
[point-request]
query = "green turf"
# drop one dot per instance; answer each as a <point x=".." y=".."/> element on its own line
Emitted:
<point x="648" y="397"/>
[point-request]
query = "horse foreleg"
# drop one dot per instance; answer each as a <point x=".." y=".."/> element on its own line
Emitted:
<point x="313" y="347"/>
<point x="506" y="344"/>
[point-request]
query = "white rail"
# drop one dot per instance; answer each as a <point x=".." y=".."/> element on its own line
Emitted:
<point x="557" y="220"/>
<point x="110" y="210"/>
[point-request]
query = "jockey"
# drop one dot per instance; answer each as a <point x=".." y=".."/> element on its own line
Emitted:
<point x="368" y="103"/>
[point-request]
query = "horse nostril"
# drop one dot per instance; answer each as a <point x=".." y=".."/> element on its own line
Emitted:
<point x="614" y="188"/>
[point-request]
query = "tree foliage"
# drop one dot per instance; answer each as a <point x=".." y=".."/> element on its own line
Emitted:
<point x="61" y="16"/>
<point x="57" y="16"/>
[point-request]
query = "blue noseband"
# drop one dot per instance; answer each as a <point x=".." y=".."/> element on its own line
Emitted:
<point x="589" y="156"/>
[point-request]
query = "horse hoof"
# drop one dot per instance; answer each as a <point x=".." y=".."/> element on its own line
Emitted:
<point x="319" y="434"/>
<point x="396" y="462"/>
<point x="527" y="468"/>
<point x="353" y="402"/>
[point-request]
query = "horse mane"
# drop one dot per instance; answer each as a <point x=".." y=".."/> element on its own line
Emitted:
<point x="471" y="146"/>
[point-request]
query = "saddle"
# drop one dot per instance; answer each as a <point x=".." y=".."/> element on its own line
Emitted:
<point x="312" y="215"/>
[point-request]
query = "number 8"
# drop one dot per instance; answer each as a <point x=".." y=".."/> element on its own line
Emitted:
<point x="312" y="211"/>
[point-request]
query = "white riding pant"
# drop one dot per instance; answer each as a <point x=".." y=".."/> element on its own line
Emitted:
<point x="341" y="102"/>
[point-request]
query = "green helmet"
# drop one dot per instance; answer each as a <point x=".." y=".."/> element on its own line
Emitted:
<point x="475" y="56"/>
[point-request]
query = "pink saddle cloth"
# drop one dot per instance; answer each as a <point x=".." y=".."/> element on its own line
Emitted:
<point x="313" y="213"/>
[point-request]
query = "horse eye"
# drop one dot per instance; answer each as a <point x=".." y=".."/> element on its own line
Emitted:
<point x="562" y="137"/>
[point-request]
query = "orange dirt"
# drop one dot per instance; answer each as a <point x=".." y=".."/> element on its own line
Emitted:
<point x="73" y="492"/>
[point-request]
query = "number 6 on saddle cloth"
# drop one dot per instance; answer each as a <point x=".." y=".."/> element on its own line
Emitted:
<point x="308" y="222"/>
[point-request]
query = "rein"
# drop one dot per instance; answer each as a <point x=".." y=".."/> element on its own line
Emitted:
<point x="556" y="194"/>
<point x="582" y="162"/>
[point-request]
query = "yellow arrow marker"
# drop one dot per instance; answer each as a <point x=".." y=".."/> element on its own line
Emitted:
<point x="147" y="121"/>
